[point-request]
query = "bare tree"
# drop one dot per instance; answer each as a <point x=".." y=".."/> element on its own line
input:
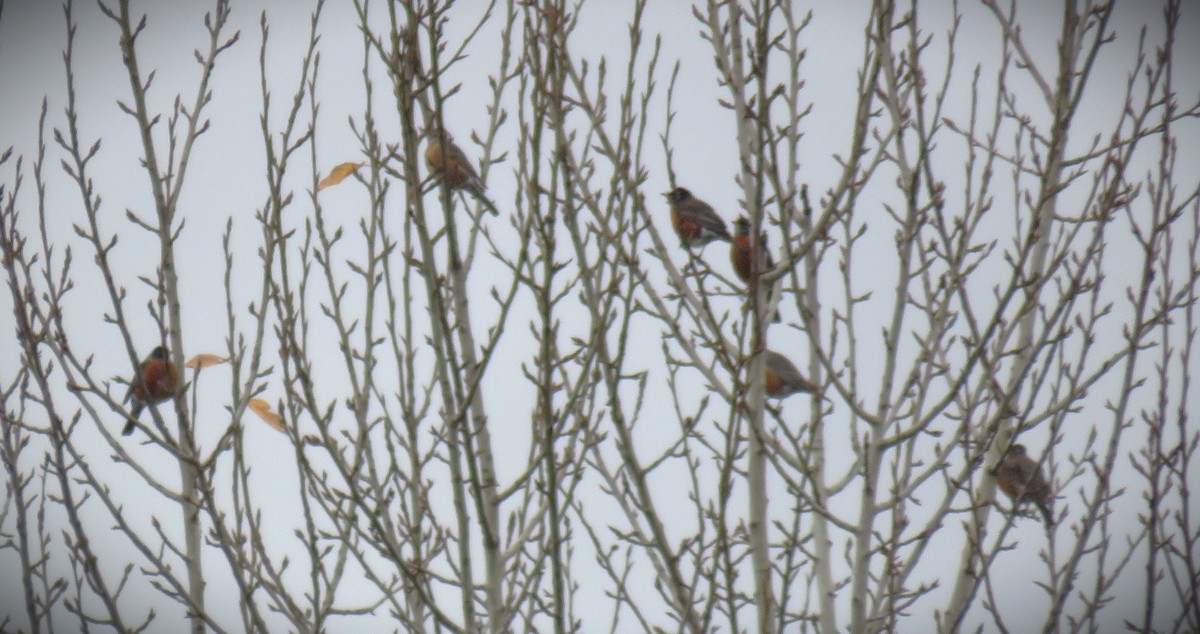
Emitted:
<point x="511" y="400"/>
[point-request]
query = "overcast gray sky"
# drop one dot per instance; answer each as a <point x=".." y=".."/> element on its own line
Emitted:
<point x="227" y="181"/>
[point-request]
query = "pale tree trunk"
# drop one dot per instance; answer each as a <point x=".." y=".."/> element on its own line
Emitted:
<point x="1059" y="98"/>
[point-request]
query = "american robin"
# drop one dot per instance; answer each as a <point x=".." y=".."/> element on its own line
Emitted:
<point x="783" y="379"/>
<point x="1020" y="478"/>
<point x="740" y="253"/>
<point x="156" y="382"/>
<point x="694" y="220"/>
<point x="451" y="166"/>
<point x="741" y="256"/>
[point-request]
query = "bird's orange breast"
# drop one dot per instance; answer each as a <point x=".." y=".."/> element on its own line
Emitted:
<point x="686" y="229"/>
<point x="159" y="378"/>
<point x="773" y="385"/>
<point x="739" y="255"/>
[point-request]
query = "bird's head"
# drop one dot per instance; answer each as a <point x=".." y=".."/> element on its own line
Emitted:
<point x="678" y="195"/>
<point x="741" y="226"/>
<point x="432" y="131"/>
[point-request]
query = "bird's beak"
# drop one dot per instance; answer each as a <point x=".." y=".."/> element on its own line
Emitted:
<point x="666" y="194"/>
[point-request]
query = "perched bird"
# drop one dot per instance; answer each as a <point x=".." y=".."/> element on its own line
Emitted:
<point x="451" y="166"/>
<point x="783" y="379"/>
<point x="1020" y="478"/>
<point x="694" y="220"/>
<point x="740" y="252"/>
<point x="742" y="257"/>
<point x="156" y="382"/>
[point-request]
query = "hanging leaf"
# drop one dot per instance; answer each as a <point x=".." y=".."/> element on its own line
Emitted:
<point x="263" y="409"/>
<point x="204" y="360"/>
<point x="338" y="174"/>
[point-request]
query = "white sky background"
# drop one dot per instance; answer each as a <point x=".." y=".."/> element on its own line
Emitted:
<point x="226" y="181"/>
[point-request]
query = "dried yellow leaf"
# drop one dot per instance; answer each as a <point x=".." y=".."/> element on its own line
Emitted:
<point x="204" y="360"/>
<point x="338" y="174"/>
<point x="263" y="409"/>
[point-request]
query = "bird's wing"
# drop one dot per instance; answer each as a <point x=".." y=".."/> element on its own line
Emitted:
<point x="141" y="371"/>
<point x="458" y="157"/>
<point x="1038" y="486"/>
<point x="1008" y="473"/>
<point x="703" y="214"/>
<point x="785" y="370"/>
<point x="1023" y="476"/>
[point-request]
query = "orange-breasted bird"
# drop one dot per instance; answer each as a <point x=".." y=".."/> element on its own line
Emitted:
<point x="694" y="220"/>
<point x="451" y="166"/>
<point x="783" y="379"/>
<point x="156" y="381"/>
<point x="740" y="252"/>
<point x="1020" y="478"/>
<point x="742" y="256"/>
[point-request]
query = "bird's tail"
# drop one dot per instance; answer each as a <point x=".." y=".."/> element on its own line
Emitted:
<point x="491" y="206"/>
<point x="1047" y="512"/>
<point x="476" y="189"/>
<point x="134" y="412"/>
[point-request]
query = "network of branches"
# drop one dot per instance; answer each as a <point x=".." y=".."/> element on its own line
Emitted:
<point x="908" y="349"/>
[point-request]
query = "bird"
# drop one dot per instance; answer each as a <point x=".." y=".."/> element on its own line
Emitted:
<point x="740" y="253"/>
<point x="156" y="381"/>
<point x="783" y="379"/>
<point x="694" y="220"/>
<point x="451" y="166"/>
<point x="1020" y="478"/>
